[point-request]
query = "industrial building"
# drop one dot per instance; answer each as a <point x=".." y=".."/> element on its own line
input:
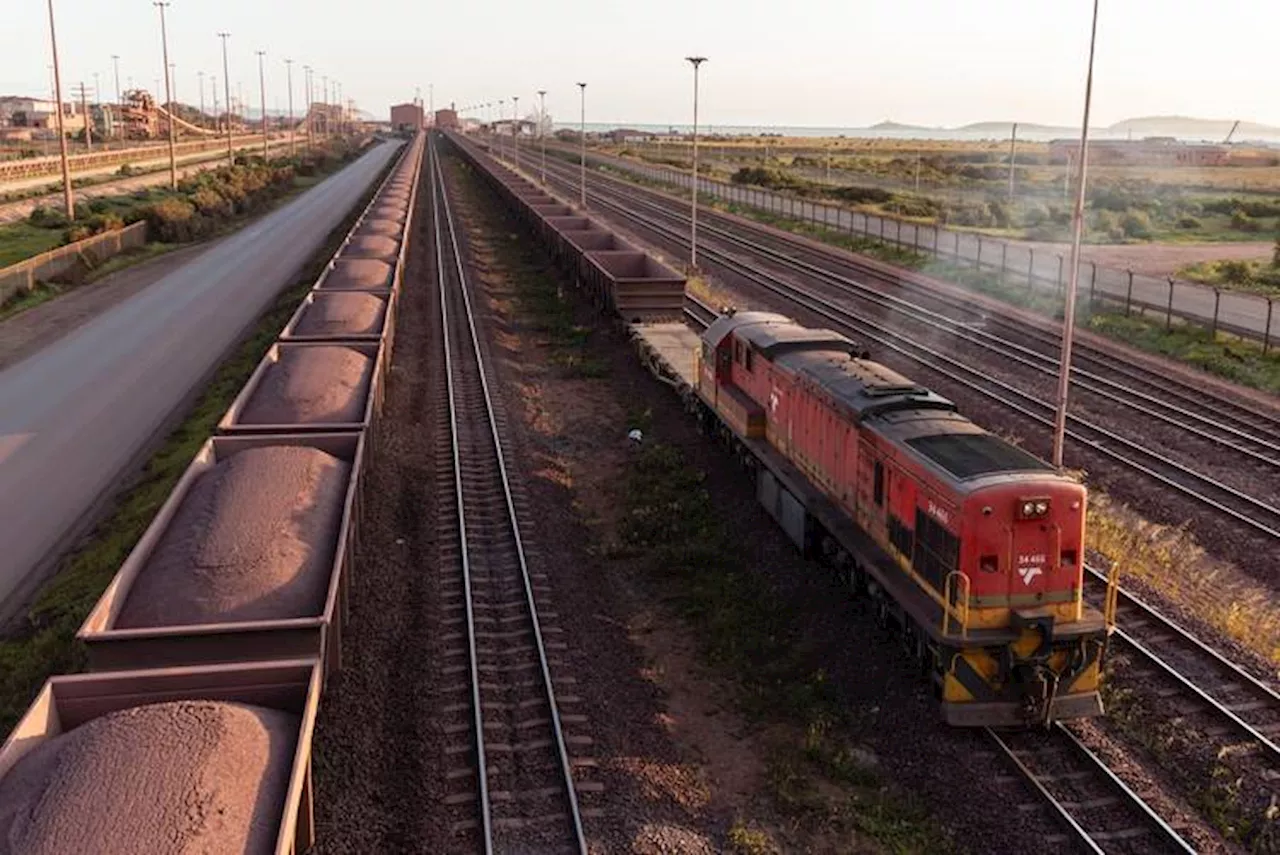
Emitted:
<point x="407" y="117"/>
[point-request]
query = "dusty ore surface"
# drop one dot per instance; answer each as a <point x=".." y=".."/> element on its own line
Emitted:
<point x="359" y="273"/>
<point x="176" y="778"/>
<point x="253" y="540"/>
<point x="344" y="313"/>
<point x="311" y="385"/>
<point x="387" y="228"/>
<point x="371" y="246"/>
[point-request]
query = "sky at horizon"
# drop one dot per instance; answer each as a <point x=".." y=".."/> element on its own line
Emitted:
<point x="812" y="63"/>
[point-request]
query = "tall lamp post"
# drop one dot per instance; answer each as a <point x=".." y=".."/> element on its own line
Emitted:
<point x="262" y="97"/>
<point x="695" y="61"/>
<point x="226" y="91"/>
<point x="200" y="78"/>
<point x="582" y="138"/>
<point x="115" y="62"/>
<point x="164" y="42"/>
<point x="542" y="130"/>
<point x="515" y="128"/>
<point x="306" y="85"/>
<point x="288" y="64"/>
<point x="1077" y="231"/>
<point x="68" y="198"/>
<point x="502" y="114"/>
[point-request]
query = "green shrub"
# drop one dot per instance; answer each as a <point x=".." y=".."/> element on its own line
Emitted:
<point x="1235" y="272"/>
<point x="1136" y="224"/>
<point x="125" y="170"/>
<point x="47" y="218"/>
<point x="173" y="221"/>
<point x="1243" y="222"/>
<point x="1189" y="222"/>
<point x="210" y="203"/>
<point x="77" y="232"/>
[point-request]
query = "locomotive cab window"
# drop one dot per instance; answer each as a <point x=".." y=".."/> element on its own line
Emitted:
<point x="878" y="484"/>
<point x="746" y="361"/>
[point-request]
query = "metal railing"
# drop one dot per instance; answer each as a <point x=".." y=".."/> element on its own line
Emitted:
<point x="1039" y="269"/>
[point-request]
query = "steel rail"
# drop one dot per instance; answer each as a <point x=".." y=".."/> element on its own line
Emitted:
<point x="566" y="769"/>
<point x="823" y="306"/>
<point x="1021" y="354"/>
<point x="1193" y="396"/>
<point x="1076" y="820"/>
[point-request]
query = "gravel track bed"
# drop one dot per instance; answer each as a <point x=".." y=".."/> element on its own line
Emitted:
<point x="378" y="748"/>
<point x="1219" y="535"/>
<point x="660" y="799"/>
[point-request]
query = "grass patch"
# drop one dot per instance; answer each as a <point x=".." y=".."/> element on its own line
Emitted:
<point x="1170" y="560"/>
<point x="816" y="774"/>
<point x="539" y="293"/>
<point x="1255" y="277"/>
<point x="21" y="240"/>
<point x="44" y="644"/>
<point x="20" y="301"/>
<point x="1238" y="360"/>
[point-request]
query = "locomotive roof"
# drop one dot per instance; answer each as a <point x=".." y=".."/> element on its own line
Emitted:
<point x="862" y="387"/>
<point x="957" y="446"/>
<point x="773" y="335"/>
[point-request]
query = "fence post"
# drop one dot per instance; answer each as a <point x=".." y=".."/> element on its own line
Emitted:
<point x="936" y="252"/>
<point x="881" y="229"/>
<point x="977" y="262"/>
<point x="1266" y="335"/>
<point x="1168" y="315"/>
<point x="1128" y="297"/>
<point x="1093" y="282"/>
<point x="899" y="240"/>
<point x="915" y="235"/>
<point x="1059" y="273"/>
<point x="1004" y="259"/>
<point x="1217" y="303"/>
<point x="1031" y="268"/>
<point x="957" y="252"/>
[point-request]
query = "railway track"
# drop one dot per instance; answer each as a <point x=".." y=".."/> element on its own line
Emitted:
<point x="511" y="780"/>
<point x="1098" y="812"/>
<point x="1230" y="416"/>
<point x="728" y="249"/>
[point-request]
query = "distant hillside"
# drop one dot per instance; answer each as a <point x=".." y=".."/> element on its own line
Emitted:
<point x="1187" y="126"/>
<point x="897" y="126"/>
<point x="1004" y="128"/>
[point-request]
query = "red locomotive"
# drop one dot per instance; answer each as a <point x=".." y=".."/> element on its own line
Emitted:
<point x="970" y="545"/>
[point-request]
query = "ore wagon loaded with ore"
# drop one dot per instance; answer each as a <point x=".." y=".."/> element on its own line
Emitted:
<point x="212" y="643"/>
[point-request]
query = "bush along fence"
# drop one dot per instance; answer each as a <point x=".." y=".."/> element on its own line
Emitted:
<point x="1246" y="315"/>
<point x="24" y="276"/>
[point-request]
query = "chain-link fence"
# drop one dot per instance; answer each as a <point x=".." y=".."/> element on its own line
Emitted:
<point x="1045" y="270"/>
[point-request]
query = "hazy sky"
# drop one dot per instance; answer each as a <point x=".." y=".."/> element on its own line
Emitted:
<point x="803" y="62"/>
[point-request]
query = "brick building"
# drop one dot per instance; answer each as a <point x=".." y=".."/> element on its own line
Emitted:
<point x="406" y="117"/>
<point x="1152" y="151"/>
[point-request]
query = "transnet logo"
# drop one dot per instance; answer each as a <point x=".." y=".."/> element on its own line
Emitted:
<point x="1029" y="573"/>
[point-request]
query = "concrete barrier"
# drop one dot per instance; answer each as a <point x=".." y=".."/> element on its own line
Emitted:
<point x="26" y="275"/>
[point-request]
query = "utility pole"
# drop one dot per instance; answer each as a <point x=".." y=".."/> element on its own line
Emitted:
<point x="226" y="91"/>
<point x="97" y="100"/>
<point x="200" y="77"/>
<point x="262" y="92"/>
<point x="695" y="61"/>
<point x="216" y="116"/>
<point x="1013" y="157"/>
<point x="306" y="85"/>
<point x="542" y="130"/>
<point x="115" y="61"/>
<point x="515" y="127"/>
<point x="164" y="42"/>
<point x="1073" y="283"/>
<point x="67" y="198"/>
<point x="293" y="148"/>
<point x="502" y="114"/>
<point x="582" y="138"/>
<point x="84" y="111"/>
<point x="325" y="79"/>
<point x="173" y="77"/>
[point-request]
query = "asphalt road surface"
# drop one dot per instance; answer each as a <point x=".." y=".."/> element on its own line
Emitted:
<point x="75" y="414"/>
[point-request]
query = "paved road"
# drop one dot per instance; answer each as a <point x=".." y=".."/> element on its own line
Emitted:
<point x="72" y="416"/>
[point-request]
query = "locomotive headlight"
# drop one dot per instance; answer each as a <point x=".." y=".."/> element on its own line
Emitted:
<point x="1033" y="509"/>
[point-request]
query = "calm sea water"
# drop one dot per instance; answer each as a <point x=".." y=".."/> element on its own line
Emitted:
<point x="865" y="133"/>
